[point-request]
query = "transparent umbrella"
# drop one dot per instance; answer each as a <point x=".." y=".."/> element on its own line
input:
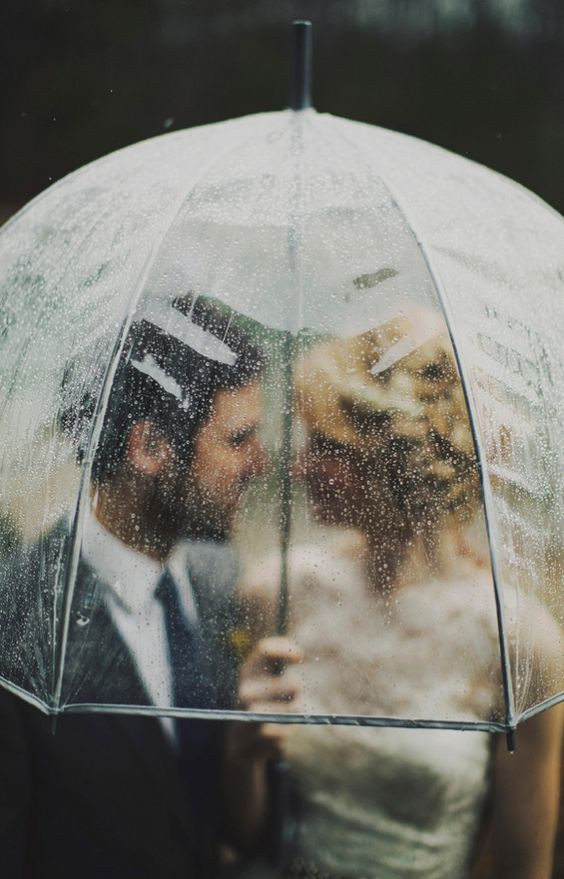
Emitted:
<point x="396" y="502"/>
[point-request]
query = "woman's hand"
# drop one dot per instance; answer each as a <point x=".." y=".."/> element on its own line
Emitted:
<point x="269" y="685"/>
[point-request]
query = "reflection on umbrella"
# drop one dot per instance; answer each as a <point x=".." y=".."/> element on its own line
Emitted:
<point x="293" y="230"/>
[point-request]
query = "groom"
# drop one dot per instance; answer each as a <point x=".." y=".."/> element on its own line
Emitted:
<point x="150" y="623"/>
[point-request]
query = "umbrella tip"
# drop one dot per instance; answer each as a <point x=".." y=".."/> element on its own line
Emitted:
<point x="511" y="740"/>
<point x="300" y="84"/>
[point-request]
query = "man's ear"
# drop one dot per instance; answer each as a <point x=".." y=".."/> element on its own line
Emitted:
<point x="149" y="452"/>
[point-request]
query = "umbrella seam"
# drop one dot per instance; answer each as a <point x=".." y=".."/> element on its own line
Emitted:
<point x="295" y="719"/>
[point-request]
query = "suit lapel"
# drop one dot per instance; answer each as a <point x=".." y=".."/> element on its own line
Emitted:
<point x="99" y="669"/>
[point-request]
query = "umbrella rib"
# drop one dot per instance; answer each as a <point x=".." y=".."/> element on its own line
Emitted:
<point x="289" y="345"/>
<point x="508" y="692"/>
<point x="72" y="258"/>
<point x="542" y="706"/>
<point x="74" y="547"/>
<point x="80" y="245"/>
<point x="364" y="720"/>
<point x="484" y="483"/>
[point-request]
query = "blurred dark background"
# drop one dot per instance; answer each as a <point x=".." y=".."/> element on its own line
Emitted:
<point x="83" y="77"/>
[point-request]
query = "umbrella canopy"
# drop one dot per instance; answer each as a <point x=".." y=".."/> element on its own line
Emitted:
<point x="391" y="301"/>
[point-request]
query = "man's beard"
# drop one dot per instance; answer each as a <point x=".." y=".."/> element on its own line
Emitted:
<point x="179" y="508"/>
<point x="202" y="519"/>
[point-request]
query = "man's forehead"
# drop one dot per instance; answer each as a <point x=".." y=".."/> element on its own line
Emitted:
<point x="249" y="391"/>
<point x="237" y="404"/>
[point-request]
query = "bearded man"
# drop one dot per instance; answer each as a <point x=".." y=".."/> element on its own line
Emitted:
<point x="150" y="616"/>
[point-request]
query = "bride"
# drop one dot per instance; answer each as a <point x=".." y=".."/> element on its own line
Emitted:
<point x="394" y="611"/>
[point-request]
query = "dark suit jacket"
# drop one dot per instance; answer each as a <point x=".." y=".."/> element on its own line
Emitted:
<point x="101" y="795"/>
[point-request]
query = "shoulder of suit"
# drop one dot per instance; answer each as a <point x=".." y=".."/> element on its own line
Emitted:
<point x="212" y="566"/>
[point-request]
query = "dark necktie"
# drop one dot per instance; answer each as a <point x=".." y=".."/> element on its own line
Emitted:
<point x="186" y="650"/>
<point x="199" y="741"/>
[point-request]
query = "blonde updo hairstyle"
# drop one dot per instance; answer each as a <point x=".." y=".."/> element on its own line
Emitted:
<point x="392" y="397"/>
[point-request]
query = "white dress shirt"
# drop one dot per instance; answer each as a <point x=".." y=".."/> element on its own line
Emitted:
<point x="130" y="579"/>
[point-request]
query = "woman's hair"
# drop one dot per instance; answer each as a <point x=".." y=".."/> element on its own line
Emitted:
<point x="397" y="405"/>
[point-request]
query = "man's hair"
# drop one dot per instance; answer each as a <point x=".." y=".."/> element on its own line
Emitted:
<point x="170" y="370"/>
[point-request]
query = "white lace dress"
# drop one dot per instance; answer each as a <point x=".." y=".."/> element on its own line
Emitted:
<point x="389" y="803"/>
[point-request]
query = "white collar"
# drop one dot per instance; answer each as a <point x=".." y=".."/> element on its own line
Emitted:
<point x="118" y="567"/>
<point x="132" y="576"/>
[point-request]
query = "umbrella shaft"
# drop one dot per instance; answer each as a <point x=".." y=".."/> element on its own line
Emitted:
<point x="300" y="87"/>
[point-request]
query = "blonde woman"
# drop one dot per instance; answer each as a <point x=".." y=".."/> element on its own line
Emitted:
<point x="394" y="611"/>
